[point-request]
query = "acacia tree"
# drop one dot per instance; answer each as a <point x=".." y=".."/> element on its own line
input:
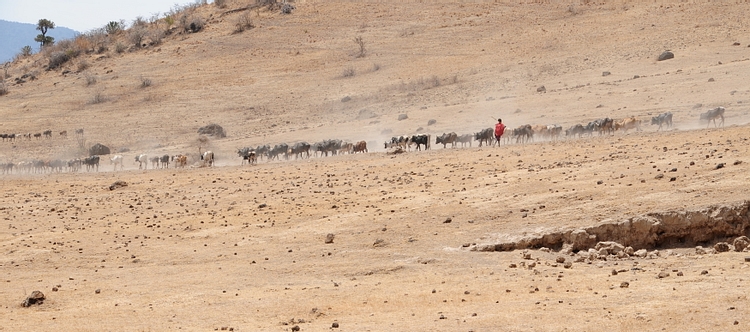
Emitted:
<point x="43" y="25"/>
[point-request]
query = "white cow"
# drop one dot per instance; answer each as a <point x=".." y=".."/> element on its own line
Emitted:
<point x="117" y="160"/>
<point x="142" y="161"/>
<point x="208" y="158"/>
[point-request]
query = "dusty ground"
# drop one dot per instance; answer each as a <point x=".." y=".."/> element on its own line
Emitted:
<point x="243" y="247"/>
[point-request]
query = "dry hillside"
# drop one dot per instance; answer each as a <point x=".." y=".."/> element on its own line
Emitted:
<point x="414" y="235"/>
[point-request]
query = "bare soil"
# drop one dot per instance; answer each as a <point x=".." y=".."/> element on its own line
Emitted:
<point x="244" y="247"/>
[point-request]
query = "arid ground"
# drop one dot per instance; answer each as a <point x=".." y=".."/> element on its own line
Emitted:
<point x="244" y="248"/>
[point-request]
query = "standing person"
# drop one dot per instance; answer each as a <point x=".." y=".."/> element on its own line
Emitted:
<point x="499" y="130"/>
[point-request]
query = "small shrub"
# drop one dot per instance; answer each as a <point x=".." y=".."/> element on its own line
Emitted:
<point x="57" y="59"/>
<point x="244" y="22"/>
<point x="139" y="22"/>
<point x="196" y="24"/>
<point x="169" y="20"/>
<point x="113" y="27"/>
<point x="90" y="80"/>
<point x="361" y="43"/>
<point x="348" y="72"/>
<point x="98" y="98"/>
<point x="26" y="51"/>
<point x="83" y="65"/>
<point x="120" y="47"/>
<point x="145" y="82"/>
<point x="220" y="3"/>
<point x="156" y="36"/>
<point x="137" y="35"/>
<point x="3" y="89"/>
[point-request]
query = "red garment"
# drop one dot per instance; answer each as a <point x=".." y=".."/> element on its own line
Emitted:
<point x="499" y="129"/>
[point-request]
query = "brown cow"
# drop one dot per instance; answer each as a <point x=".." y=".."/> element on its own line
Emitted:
<point x="628" y="124"/>
<point x="361" y="146"/>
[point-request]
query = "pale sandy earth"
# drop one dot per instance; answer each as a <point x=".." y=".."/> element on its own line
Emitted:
<point x="192" y="249"/>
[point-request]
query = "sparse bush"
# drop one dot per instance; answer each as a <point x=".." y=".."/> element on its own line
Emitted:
<point x="156" y="36"/>
<point x="97" y="39"/>
<point x="139" y="22"/>
<point x="145" y="82"/>
<point x="98" y="98"/>
<point x="220" y="3"/>
<point x="26" y="51"/>
<point x="120" y="47"/>
<point x="287" y="8"/>
<point x="169" y="20"/>
<point x="83" y="65"/>
<point x="136" y="35"/>
<point x="196" y="24"/>
<point x="361" y="43"/>
<point x="348" y="72"/>
<point x="90" y="80"/>
<point x="244" y="22"/>
<point x="3" y="89"/>
<point x="57" y="59"/>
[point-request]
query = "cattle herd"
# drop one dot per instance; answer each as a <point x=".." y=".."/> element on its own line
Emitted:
<point x="522" y="134"/>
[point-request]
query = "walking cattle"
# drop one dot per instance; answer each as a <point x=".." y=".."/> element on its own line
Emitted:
<point x="207" y="158"/>
<point x="523" y="134"/>
<point x="446" y="139"/>
<point x="361" y="146"/>
<point x="64" y="134"/>
<point x="155" y="162"/>
<point x="117" y="160"/>
<point x="91" y="163"/>
<point x="277" y="150"/>
<point x="179" y="160"/>
<point x="627" y="124"/>
<point x="485" y="136"/>
<point x="712" y="114"/>
<point x="664" y="119"/>
<point x="419" y="140"/>
<point x="463" y="139"/>
<point x="142" y="161"/>
<point x="247" y="155"/>
<point x="164" y="161"/>
<point x="300" y="149"/>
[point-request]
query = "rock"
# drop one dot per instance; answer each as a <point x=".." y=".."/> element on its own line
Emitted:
<point x="700" y="251"/>
<point x="98" y="150"/>
<point x="568" y="265"/>
<point x="295" y="328"/>
<point x="622" y="254"/>
<point x="610" y="247"/>
<point x="741" y="243"/>
<point x="345" y="99"/>
<point x="747" y="259"/>
<point x="711" y="79"/>
<point x="97" y="291"/>
<point x="641" y="253"/>
<point x="431" y="122"/>
<point x="212" y="130"/>
<point x="680" y="274"/>
<point x="541" y="89"/>
<point x="512" y="266"/>
<point x="629" y="251"/>
<point x="118" y="184"/>
<point x="614" y="272"/>
<point x="531" y="265"/>
<point x="329" y="238"/>
<point x="560" y="259"/>
<point x="526" y="255"/>
<point x="36" y="297"/>
<point x="606" y="73"/>
<point x="335" y="325"/>
<point x="663" y="274"/>
<point x="447" y="220"/>
<point x="624" y="284"/>
<point x="721" y="247"/>
<point x="704" y="272"/>
<point x="379" y="243"/>
<point x="666" y="55"/>
<point x="720" y="165"/>
<point x="402" y="117"/>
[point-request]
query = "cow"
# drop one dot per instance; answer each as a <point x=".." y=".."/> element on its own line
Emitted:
<point x="576" y="130"/>
<point x="155" y="162"/>
<point x="346" y="147"/>
<point x="463" y="139"/>
<point x="117" y="160"/>
<point x="539" y="131"/>
<point x="712" y="114"/>
<point x="262" y="150"/>
<point x="38" y="135"/>
<point x="142" y="160"/>
<point x="485" y="136"/>
<point x="91" y="163"/>
<point x="326" y="146"/>
<point x="7" y="167"/>
<point x="446" y="139"/>
<point x="419" y="140"/>
<point x="56" y="165"/>
<point x="277" y="150"/>
<point x="47" y="134"/>
<point x="523" y="133"/>
<point x="74" y="165"/>
<point x="64" y="134"/>
<point x="664" y="119"/>
<point x="628" y="124"/>
<point x="244" y="153"/>
<point x="361" y="146"/>
<point x="399" y="141"/>
<point x="300" y="149"/>
<point x="164" y="161"/>
<point x="605" y="125"/>
<point x="207" y="158"/>
<point x="179" y="160"/>
<point x="554" y="132"/>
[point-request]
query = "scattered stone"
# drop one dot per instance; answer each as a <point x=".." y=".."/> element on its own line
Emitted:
<point x="720" y="165"/>
<point x="36" y="297"/>
<point x="606" y="73"/>
<point x="560" y="259"/>
<point x="599" y="182"/>
<point x="672" y="179"/>
<point x="431" y="122"/>
<point x="629" y="251"/>
<point x="345" y="99"/>
<point x="335" y="325"/>
<point x="711" y="79"/>
<point x="526" y="255"/>
<point x="704" y="272"/>
<point x="448" y="220"/>
<point x="624" y="284"/>
<point x="295" y="328"/>
<point x="666" y="55"/>
<point x="680" y="274"/>
<point x="642" y="253"/>
<point x="541" y="89"/>
<point x="700" y="250"/>
<point x="329" y="238"/>
<point x="747" y="259"/>
<point x="614" y="272"/>
<point x="721" y="247"/>
<point x="513" y="265"/>
<point x="737" y="162"/>
<point x="118" y="184"/>
<point x="262" y="205"/>
<point x="663" y="274"/>
<point x="97" y="291"/>
<point x="659" y="176"/>
<point x="741" y="243"/>
<point x="609" y="248"/>
<point x="379" y="243"/>
<point x="402" y="117"/>
<point x="568" y="265"/>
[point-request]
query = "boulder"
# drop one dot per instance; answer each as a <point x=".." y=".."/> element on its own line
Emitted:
<point x="98" y="150"/>
<point x="36" y="297"/>
<point x="609" y="248"/>
<point x="741" y="243"/>
<point x="722" y="247"/>
<point x="213" y="130"/>
<point x="666" y="55"/>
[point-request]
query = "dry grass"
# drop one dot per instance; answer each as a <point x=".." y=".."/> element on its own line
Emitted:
<point x="348" y="72"/>
<point x="244" y="22"/>
<point x="145" y="82"/>
<point x="98" y="98"/>
<point x="90" y="80"/>
<point x="3" y="89"/>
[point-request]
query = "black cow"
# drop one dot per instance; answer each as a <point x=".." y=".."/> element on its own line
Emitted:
<point x="712" y="114"/>
<point x="332" y="145"/>
<point x="485" y="136"/>
<point x="575" y="130"/>
<point x="300" y="149"/>
<point x="91" y="162"/>
<point x="262" y="150"/>
<point x="419" y="140"/>
<point x="523" y="133"/>
<point x="164" y="161"/>
<point x="664" y="119"/>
